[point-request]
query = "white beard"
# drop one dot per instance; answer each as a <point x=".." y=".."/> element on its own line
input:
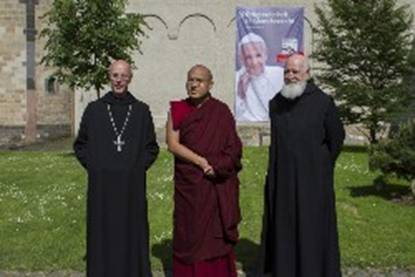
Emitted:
<point x="293" y="90"/>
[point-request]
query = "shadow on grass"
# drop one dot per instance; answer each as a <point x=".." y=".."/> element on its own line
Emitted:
<point x="164" y="251"/>
<point x="387" y="191"/>
<point x="246" y="254"/>
<point x="355" y="148"/>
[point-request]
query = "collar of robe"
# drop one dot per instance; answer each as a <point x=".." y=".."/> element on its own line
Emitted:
<point x="126" y="99"/>
<point x="309" y="88"/>
<point x="201" y="104"/>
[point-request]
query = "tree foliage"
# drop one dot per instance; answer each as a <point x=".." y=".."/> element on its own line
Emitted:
<point x="363" y="48"/>
<point x="396" y="155"/>
<point x="408" y="83"/>
<point x="83" y="36"/>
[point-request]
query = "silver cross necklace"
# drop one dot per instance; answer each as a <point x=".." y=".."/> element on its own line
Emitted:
<point x="119" y="142"/>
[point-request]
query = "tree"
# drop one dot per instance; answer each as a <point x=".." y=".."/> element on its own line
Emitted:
<point x="363" y="48"/>
<point x="408" y="83"/>
<point x="83" y="36"/>
<point x="396" y="155"/>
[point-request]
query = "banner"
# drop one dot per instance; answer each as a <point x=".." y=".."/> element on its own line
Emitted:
<point x="266" y="36"/>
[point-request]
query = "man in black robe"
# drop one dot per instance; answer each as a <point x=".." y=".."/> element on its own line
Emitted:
<point x="299" y="237"/>
<point x="116" y="144"/>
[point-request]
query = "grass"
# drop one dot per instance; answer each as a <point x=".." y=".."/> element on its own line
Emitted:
<point x="42" y="212"/>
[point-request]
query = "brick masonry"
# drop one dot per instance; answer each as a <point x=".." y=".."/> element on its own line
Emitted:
<point x="54" y="111"/>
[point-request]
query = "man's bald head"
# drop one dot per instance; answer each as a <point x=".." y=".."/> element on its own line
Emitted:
<point x="299" y="60"/>
<point x="120" y="64"/>
<point x="120" y="75"/>
<point x="199" y="82"/>
<point x="203" y="68"/>
<point x="296" y="69"/>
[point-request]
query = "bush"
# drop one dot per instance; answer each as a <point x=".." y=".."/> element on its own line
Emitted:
<point x="396" y="155"/>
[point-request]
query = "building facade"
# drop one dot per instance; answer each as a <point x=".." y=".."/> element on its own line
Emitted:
<point x="183" y="33"/>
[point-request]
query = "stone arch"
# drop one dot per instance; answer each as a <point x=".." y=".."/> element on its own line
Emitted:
<point x="197" y="15"/>
<point x="158" y="18"/>
<point x="231" y="22"/>
<point x="201" y="31"/>
<point x="151" y="60"/>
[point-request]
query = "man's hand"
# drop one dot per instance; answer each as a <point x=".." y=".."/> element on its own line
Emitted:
<point x="206" y="167"/>
<point x="210" y="172"/>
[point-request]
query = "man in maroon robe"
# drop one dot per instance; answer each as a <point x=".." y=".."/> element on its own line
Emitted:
<point x="202" y="136"/>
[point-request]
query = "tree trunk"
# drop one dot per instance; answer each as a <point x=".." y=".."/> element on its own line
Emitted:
<point x="98" y="92"/>
<point x="413" y="186"/>
<point x="372" y="136"/>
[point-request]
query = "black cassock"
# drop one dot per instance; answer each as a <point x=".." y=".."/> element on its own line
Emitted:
<point x="299" y="237"/>
<point x="117" y="225"/>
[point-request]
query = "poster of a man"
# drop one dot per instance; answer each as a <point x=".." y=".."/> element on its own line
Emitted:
<point x="256" y="82"/>
<point x="266" y="36"/>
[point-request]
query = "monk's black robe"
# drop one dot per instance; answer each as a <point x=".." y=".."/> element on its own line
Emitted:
<point x="117" y="226"/>
<point x="299" y="237"/>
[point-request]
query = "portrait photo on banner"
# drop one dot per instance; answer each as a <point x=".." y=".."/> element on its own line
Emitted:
<point x="265" y="37"/>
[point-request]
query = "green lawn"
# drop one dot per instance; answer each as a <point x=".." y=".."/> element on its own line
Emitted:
<point x="42" y="212"/>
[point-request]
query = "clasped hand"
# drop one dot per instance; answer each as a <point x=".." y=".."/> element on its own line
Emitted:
<point x="206" y="167"/>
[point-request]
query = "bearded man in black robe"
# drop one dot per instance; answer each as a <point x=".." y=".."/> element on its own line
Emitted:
<point x="299" y="237"/>
<point x="116" y="144"/>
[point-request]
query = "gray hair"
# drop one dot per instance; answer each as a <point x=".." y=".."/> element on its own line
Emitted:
<point x="251" y="38"/>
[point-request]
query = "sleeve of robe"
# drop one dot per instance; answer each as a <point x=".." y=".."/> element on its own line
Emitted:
<point x="80" y="145"/>
<point x="228" y="161"/>
<point x="272" y="149"/>
<point x="272" y="156"/>
<point x="335" y="133"/>
<point x="151" y="148"/>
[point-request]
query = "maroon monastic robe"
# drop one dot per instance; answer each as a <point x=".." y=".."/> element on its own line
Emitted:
<point x="206" y="209"/>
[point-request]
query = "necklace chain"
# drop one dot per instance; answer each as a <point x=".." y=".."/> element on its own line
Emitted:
<point x="119" y="134"/>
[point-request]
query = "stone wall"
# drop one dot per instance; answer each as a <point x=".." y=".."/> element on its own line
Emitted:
<point x="12" y="69"/>
<point x="53" y="108"/>
<point x="183" y="33"/>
